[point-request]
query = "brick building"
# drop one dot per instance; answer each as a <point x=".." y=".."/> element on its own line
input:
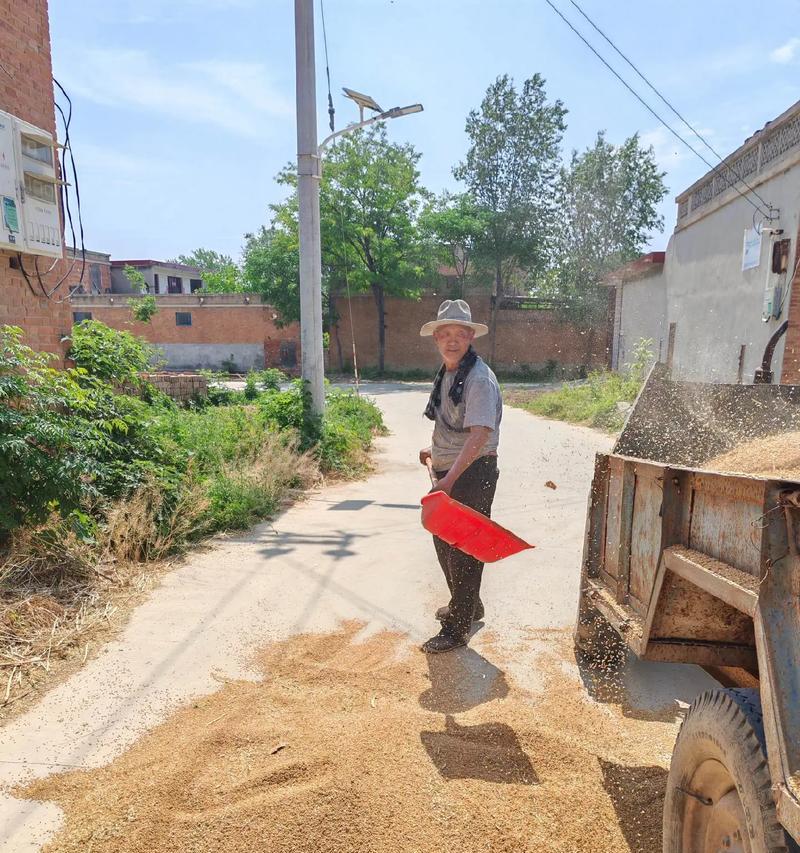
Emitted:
<point x="26" y="91"/>
<point x="527" y="338"/>
<point x="208" y="330"/>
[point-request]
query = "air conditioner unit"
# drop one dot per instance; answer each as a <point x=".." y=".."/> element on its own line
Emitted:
<point x="29" y="189"/>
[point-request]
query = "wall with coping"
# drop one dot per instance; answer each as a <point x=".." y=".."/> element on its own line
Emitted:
<point x="715" y="305"/>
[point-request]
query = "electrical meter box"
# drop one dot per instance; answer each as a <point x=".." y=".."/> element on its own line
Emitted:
<point x="29" y="189"/>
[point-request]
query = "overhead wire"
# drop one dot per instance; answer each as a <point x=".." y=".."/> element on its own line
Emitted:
<point x="667" y="103"/>
<point x="331" y="115"/>
<point x="331" y="108"/>
<point x="48" y="290"/>
<point x="650" y="109"/>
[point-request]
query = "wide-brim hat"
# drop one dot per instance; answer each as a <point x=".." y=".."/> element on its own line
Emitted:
<point x="454" y="312"/>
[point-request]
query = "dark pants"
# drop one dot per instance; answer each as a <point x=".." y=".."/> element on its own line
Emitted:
<point x="474" y="488"/>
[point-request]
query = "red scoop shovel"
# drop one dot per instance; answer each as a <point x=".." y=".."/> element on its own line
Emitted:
<point x="467" y="529"/>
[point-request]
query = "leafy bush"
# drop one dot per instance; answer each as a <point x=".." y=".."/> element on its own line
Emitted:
<point x="348" y="428"/>
<point x="143" y="474"/>
<point x="143" y="308"/>
<point x="109" y="354"/>
<point x="272" y="378"/>
<point x="65" y="437"/>
<point x="250" y="387"/>
<point x="290" y="410"/>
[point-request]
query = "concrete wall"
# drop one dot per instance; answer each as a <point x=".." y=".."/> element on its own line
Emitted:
<point x="641" y="310"/>
<point x="716" y="307"/>
<point x="525" y="338"/>
<point x="213" y="356"/>
<point x="222" y="324"/>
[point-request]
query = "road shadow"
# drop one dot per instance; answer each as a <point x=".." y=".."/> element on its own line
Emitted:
<point x="490" y="752"/>
<point x="637" y="794"/>
<point x="643" y="690"/>
<point x="357" y="505"/>
<point x="460" y="680"/>
<point x="338" y="544"/>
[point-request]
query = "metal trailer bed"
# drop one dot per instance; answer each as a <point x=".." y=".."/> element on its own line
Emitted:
<point x="692" y="566"/>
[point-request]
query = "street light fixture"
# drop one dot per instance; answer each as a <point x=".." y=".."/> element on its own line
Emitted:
<point x="366" y="102"/>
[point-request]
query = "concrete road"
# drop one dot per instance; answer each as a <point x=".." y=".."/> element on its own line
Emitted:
<point x="351" y="551"/>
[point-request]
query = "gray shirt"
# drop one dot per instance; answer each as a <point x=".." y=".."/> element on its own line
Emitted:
<point x="481" y="405"/>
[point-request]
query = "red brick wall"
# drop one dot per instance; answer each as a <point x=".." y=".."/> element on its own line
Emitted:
<point x="219" y="319"/>
<point x="525" y="338"/>
<point x="74" y="276"/>
<point x="28" y="93"/>
<point x="790" y="372"/>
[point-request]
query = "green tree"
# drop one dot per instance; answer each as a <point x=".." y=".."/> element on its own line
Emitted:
<point x="136" y="278"/>
<point x="511" y="171"/>
<point x="609" y="197"/>
<point x="369" y="199"/>
<point x="220" y="273"/>
<point x="454" y="225"/>
<point x="272" y="262"/>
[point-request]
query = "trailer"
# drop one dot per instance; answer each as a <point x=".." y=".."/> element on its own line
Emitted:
<point x="689" y="565"/>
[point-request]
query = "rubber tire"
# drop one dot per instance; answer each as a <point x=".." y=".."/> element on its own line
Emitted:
<point x="725" y="724"/>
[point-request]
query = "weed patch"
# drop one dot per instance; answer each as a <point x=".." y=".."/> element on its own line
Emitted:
<point x="593" y="402"/>
<point x="95" y="481"/>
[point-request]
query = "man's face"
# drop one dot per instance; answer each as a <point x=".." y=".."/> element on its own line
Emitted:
<point x="453" y="341"/>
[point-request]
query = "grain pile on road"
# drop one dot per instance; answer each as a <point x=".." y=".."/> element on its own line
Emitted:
<point x="368" y="746"/>
<point x="776" y="456"/>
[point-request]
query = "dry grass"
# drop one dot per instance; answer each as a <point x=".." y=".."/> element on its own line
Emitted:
<point x="135" y="532"/>
<point x="60" y="594"/>
<point x="54" y="596"/>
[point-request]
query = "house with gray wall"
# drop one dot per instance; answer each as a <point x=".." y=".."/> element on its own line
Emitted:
<point x="723" y="290"/>
<point x="161" y="277"/>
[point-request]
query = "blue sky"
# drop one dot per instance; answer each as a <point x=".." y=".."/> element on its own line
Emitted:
<point x="184" y="110"/>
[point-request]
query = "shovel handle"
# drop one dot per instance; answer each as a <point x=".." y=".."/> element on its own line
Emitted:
<point x="434" y="481"/>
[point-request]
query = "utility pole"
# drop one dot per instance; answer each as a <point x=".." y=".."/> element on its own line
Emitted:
<point x="308" y="178"/>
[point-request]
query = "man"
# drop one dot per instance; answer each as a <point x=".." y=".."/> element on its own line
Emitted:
<point x="466" y="408"/>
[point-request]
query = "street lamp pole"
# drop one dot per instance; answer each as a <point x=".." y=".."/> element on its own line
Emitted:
<point x="309" y="172"/>
<point x="308" y="178"/>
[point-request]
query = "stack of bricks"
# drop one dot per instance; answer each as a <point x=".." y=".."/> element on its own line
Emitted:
<point x="26" y="91"/>
<point x="182" y="387"/>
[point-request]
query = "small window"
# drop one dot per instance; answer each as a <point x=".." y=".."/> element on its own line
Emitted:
<point x="37" y="149"/>
<point x="80" y="316"/>
<point x="195" y="284"/>
<point x="174" y="284"/>
<point x="155" y="283"/>
<point x="94" y="277"/>
<point x="183" y="318"/>
<point x="43" y="190"/>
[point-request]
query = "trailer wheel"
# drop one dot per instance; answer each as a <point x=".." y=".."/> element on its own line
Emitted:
<point x="719" y="791"/>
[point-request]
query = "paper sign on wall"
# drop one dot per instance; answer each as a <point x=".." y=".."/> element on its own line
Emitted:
<point x="751" y="249"/>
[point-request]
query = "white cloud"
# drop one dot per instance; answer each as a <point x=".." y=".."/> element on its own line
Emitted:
<point x="236" y="96"/>
<point x="786" y="52"/>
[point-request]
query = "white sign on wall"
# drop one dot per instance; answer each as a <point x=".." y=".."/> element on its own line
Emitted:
<point x="751" y="249"/>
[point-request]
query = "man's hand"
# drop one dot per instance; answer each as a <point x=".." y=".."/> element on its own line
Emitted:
<point x="445" y="484"/>
<point x="424" y="455"/>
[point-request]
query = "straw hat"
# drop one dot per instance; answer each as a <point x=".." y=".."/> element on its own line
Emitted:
<point x="453" y="312"/>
